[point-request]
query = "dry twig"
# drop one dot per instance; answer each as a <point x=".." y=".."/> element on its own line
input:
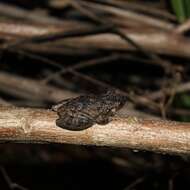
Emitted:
<point x="129" y="15"/>
<point x="12" y="185"/>
<point x="31" y="89"/>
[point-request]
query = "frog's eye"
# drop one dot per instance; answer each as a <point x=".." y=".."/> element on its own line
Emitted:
<point x="56" y="107"/>
<point x="79" y="105"/>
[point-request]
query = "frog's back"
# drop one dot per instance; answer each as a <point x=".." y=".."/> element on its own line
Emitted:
<point x="81" y="103"/>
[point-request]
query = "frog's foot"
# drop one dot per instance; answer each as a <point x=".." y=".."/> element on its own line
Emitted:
<point x="103" y="120"/>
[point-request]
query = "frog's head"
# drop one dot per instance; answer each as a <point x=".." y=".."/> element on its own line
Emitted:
<point x="59" y="105"/>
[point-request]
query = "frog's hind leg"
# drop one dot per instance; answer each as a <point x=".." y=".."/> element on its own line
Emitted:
<point x="75" y="123"/>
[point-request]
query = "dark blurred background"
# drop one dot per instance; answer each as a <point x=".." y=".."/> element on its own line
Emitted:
<point x="80" y="47"/>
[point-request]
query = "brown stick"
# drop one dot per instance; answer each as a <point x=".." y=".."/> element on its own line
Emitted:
<point x="38" y="126"/>
<point x="141" y="7"/>
<point x="156" y="42"/>
<point x="24" y="29"/>
<point x="128" y="15"/>
<point x="20" y="13"/>
<point x="31" y="89"/>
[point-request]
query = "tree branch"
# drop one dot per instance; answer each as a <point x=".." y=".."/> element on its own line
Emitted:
<point x="38" y="126"/>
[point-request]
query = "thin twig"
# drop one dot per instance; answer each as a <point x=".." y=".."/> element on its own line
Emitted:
<point x="140" y="7"/>
<point x="56" y="36"/>
<point x="182" y="28"/>
<point x="12" y="185"/>
<point x="183" y="87"/>
<point x="129" y="15"/>
<point x="20" y="13"/>
<point x="27" y="29"/>
<point x="102" y="60"/>
<point x="135" y="183"/>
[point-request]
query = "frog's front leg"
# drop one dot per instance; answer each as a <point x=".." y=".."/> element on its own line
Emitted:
<point x="103" y="120"/>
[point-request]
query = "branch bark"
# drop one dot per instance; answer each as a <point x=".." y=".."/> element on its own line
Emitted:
<point x="38" y="126"/>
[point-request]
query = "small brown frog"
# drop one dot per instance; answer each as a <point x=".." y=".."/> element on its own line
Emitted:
<point x="82" y="112"/>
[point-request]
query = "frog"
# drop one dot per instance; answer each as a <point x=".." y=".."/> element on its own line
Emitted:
<point x="84" y="111"/>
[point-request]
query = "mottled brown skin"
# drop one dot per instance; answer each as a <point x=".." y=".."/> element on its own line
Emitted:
<point x="84" y="111"/>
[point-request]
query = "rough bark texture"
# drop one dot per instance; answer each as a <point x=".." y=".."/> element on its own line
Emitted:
<point x="38" y="126"/>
